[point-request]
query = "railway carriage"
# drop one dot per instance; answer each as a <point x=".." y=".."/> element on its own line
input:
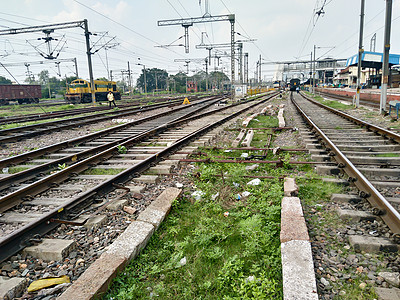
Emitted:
<point x="22" y="93"/>
<point x="79" y="91"/>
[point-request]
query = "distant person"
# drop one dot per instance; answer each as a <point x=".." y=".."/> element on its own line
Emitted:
<point x="297" y="90"/>
<point x="110" y="97"/>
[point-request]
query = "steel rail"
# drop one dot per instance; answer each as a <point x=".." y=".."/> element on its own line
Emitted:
<point x="384" y="132"/>
<point x="65" y="113"/>
<point x="25" y="193"/>
<point x="69" y="123"/>
<point x="72" y="142"/>
<point x="388" y="213"/>
<point x="21" y="238"/>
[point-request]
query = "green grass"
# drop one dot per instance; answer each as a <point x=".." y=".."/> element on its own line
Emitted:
<point x="221" y="251"/>
<point x="388" y="155"/>
<point x="100" y="171"/>
<point x="263" y="122"/>
<point x="13" y="170"/>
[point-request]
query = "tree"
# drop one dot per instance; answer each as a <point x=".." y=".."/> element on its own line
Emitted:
<point x="155" y="79"/>
<point x="178" y="82"/>
<point x="4" y="80"/>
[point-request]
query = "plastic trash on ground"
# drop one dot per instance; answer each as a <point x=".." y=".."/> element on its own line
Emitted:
<point x="244" y="155"/>
<point x="254" y="182"/>
<point x="179" y="185"/>
<point x="246" y="194"/>
<point x="47" y="282"/>
<point x="197" y="195"/>
<point x="215" y="196"/>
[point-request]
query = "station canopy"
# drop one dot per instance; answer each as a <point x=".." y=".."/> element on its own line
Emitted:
<point x="372" y="60"/>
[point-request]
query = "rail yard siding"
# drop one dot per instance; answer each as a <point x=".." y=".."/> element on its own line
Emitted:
<point x="363" y="95"/>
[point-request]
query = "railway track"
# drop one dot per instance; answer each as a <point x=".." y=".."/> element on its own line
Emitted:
<point x="61" y="196"/>
<point x="78" y="111"/>
<point x="367" y="154"/>
<point x="22" y="132"/>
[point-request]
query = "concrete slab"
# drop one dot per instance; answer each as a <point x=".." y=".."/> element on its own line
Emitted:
<point x="387" y="294"/>
<point x="372" y="244"/>
<point x="117" y="205"/>
<point x="340" y="198"/>
<point x="51" y="249"/>
<point x="160" y="170"/>
<point x="96" y="279"/>
<point x="290" y="187"/>
<point x="236" y="142"/>
<point x="248" y="139"/>
<point x="320" y="158"/>
<point x="178" y="156"/>
<point x="11" y="288"/>
<point x="293" y="225"/>
<point x="159" y="208"/>
<point x="310" y="146"/>
<point x="355" y="215"/>
<point x="147" y="179"/>
<point x="136" y="188"/>
<point x="298" y="271"/>
<point x="95" y="177"/>
<point x="336" y="181"/>
<point x="327" y="170"/>
<point x="96" y="221"/>
<point x="14" y="217"/>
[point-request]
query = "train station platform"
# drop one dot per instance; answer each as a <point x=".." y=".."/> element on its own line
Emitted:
<point x="366" y="94"/>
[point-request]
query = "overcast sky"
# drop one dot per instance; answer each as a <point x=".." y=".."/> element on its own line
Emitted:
<point x="284" y="30"/>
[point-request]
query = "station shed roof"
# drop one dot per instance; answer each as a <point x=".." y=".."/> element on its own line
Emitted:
<point x="372" y="60"/>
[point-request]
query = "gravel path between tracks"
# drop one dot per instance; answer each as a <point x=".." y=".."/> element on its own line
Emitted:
<point x="63" y="135"/>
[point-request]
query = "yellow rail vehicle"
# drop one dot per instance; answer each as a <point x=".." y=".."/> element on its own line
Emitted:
<point x="79" y="91"/>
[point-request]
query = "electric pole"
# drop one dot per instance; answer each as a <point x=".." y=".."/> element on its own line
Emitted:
<point x="385" y="63"/>
<point x="360" y="52"/>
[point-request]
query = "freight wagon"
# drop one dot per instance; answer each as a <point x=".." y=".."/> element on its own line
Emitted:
<point x="22" y="93"/>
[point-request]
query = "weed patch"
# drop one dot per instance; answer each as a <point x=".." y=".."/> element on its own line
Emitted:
<point x="230" y="244"/>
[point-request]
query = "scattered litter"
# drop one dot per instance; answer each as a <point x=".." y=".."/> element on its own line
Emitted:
<point x="227" y="151"/>
<point x="236" y="184"/>
<point x="47" y="282"/>
<point x="215" y="196"/>
<point x="182" y="262"/>
<point x="179" y="185"/>
<point x="238" y="196"/>
<point x="246" y="194"/>
<point x="250" y="278"/>
<point x="254" y="182"/>
<point x="5" y="170"/>
<point x="226" y="213"/>
<point x="197" y="195"/>
<point x="244" y="155"/>
<point x="251" y="167"/>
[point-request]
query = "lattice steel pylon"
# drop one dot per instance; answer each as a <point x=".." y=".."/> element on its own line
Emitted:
<point x="187" y="22"/>
<point x="51" y="27"/>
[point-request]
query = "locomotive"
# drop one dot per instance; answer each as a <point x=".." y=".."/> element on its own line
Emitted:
<point x="79" y="91"/>
<point x="22" y="93"/>
<point x="294" y="83"/>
